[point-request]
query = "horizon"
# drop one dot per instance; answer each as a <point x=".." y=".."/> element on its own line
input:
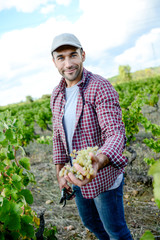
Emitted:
<point x="140" y="71"/>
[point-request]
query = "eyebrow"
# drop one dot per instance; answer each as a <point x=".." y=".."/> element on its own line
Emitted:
<point x="61" y="55"/>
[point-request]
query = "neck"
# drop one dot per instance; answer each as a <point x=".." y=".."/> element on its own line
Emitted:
<point x="71" y="83"/>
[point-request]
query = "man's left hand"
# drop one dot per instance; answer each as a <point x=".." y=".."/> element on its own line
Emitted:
<point x="73" y="180"/>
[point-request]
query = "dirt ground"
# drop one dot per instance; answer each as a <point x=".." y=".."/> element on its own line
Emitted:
<point x="140" y="209"/>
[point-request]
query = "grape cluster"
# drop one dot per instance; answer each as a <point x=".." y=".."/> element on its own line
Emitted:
<point x="83" y="158"/>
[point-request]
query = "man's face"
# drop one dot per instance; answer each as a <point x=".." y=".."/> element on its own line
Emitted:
<point x="69" y="62"/>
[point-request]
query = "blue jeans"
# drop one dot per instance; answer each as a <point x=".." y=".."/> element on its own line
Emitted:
<point x="104" y="215"/>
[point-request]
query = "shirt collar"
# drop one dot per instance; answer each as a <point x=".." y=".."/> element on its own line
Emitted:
<point x="84" y="78"/>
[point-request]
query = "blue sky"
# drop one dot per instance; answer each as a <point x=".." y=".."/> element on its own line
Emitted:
<point x="112" y="33"/>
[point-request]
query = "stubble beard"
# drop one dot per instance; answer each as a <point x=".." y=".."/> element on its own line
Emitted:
<point x="73" y="77"/>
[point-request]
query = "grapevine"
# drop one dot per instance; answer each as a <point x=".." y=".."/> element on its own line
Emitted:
<point x="17" y="220"/>
<point x="17" y="130"/>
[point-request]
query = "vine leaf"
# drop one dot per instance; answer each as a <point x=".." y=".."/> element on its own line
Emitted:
<point x="147" y="236"/>
<point x="2" y="137"/>
<point x="13" y="222"/>
<point x="155" y="172"/>
<point x="25" y="163"/>
<point x="27" y="195"/>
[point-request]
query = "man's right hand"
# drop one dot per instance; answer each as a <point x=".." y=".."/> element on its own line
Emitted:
<point x="64" y="184"/>
<point x="61" y="180"/>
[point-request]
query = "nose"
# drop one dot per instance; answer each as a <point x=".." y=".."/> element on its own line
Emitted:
<point x="68" y="62"/>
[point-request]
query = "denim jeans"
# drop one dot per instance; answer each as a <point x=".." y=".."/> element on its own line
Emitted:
<point x="104" y="215"/>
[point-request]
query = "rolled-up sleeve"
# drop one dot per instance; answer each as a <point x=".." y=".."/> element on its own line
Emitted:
<point x="110" y="120"/>
<point x="59" y="152"/>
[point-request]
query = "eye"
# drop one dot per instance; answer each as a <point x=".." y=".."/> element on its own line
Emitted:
<point x="60" y="58"/>
<point x="74" y="55"/>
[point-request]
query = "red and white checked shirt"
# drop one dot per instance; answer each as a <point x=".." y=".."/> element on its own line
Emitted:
<point x="98" y="123"/>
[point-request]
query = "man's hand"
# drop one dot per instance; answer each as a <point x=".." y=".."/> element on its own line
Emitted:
<point x="61" y="180"/>
<point x="98" y="162"/>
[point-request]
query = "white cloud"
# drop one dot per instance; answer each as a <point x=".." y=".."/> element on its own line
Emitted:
<point x="22" y="5"/>
<point x="64" y="2"/>
<point x="30" y="5"/>
<point x="35" y="85"/>
<point x="145" y="53"/>
<point x="26" y="61"/>
<point x="106" y="24"/>
<point x="47" y="9"/>
<point x="25" y="58"/>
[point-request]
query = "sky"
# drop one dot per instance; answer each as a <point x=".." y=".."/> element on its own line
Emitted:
<point x="112" y="33"/>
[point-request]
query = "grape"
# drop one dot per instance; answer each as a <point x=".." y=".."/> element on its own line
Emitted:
<point x="83" y="158"/>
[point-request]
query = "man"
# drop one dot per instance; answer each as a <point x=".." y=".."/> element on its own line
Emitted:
<point x="86" y="112"/>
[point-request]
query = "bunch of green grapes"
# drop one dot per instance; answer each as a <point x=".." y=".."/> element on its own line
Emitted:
<point x="83" y="158"/>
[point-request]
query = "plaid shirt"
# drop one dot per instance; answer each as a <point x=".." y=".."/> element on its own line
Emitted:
<point x="98" y="123"/>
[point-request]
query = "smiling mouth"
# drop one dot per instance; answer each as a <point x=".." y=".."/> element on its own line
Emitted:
<point x="70" y="70"/>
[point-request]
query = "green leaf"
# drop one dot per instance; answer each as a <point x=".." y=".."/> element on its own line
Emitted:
<point x="16" y="208"/>
<point x="29" y="230"/>
<point x="155" y="172"/>
<point x="156" y="179"/>
<point x="3" y="156"/>
<point x="26" y="228"/>
<point x="10" y="155"/>
<point x="31" y="177"/>
<point x="2" y="166"/>
<point x="9" y="134"/>
<point x="25" y="180"/>
<point x="2" y="136"/>
<point x="28" y="177"/>
<point x="4" y="210"/>
<point x="155" y="168"/>
<point x="51" y="233"/>
<point x="149" y="161"/>
<point x="27" y="195"/>
<point x="2" y="236"/>
<point x="18" y="186"/>
<point x="13" y="222"/>
<point x="14" y="193"/>
<point x="156" y="191"/>
<point x="26" y="219"/>
<point x="25" y="162"/>
<point x="4" y="143"/>
<point x="16" y="177"/>
<point x="147" y="236"/>
<point x="158" y="203"/>
<point x="7" y="190"/>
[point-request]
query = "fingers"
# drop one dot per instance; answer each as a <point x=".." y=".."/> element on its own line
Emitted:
<point x="63" y="184"/>
<point x="79" y="168"/>
<point x="68" y="188"/>
<point x="73" y="180"/>
<point x="93" y="157"/>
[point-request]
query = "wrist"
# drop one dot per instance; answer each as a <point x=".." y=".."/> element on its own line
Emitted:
<point x="103" y="161"/>
<point x="58" y="169"/>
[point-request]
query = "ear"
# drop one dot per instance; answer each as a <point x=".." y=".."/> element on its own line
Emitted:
<point x="54" y="61"/>
<point x="83" y="56"/>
